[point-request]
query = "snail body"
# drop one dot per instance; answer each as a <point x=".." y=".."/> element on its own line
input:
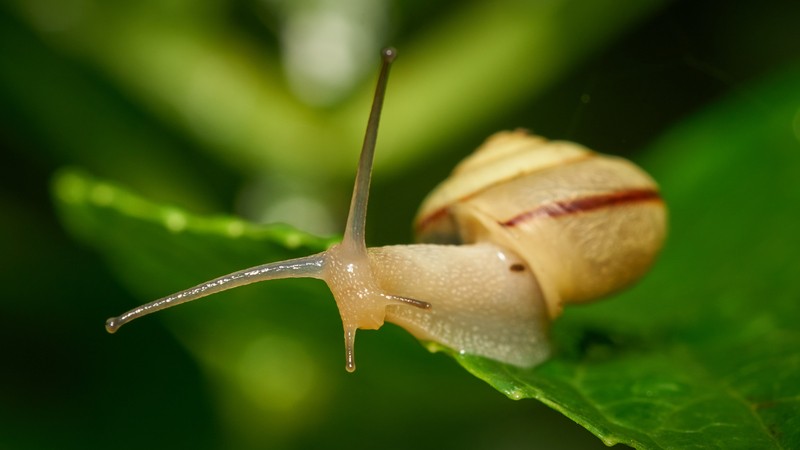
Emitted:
<point x="522" y="227"/>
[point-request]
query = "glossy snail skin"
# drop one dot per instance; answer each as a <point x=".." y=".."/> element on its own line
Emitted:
<point x="484" y="301"/>
<point x="538" y="224"/>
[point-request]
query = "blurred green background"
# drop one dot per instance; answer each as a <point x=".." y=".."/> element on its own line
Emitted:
<point x="256" y="108"/>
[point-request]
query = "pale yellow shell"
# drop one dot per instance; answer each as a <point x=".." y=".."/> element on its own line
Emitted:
<point x="586" y="224"/>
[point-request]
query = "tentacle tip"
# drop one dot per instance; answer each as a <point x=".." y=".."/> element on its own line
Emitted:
<point x="349" y="349"/>
<point x="112" y="325"/>
<point x="389" y="54"/>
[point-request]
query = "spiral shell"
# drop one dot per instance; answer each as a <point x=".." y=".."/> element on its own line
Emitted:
<point x="586" y="224"/>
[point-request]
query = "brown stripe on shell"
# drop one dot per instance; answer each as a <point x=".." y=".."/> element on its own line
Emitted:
<point x="424" y="222"/>
<point x="563" y="208"/>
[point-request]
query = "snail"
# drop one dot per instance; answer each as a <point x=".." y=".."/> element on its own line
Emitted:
<point x="521" y="228"/>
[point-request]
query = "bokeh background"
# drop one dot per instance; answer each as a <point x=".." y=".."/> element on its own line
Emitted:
<point x="256" y="109"/>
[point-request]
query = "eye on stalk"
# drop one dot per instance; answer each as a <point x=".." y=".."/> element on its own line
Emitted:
<point x="344" y="267"/>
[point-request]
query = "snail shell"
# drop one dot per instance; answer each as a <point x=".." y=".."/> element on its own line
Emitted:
<point x="586" y="224"/>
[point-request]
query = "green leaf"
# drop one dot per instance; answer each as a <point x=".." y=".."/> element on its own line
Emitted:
<point x="705" y="352"/>
<point x="159" y="248"/>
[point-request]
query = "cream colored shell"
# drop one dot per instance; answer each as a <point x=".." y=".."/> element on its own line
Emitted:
<point x="586" y="224"/>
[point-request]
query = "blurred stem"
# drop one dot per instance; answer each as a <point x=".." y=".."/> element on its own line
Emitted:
<point x="490" y="57"/>
<point x="57" y="108"/>
<point x="486" y="58"/>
